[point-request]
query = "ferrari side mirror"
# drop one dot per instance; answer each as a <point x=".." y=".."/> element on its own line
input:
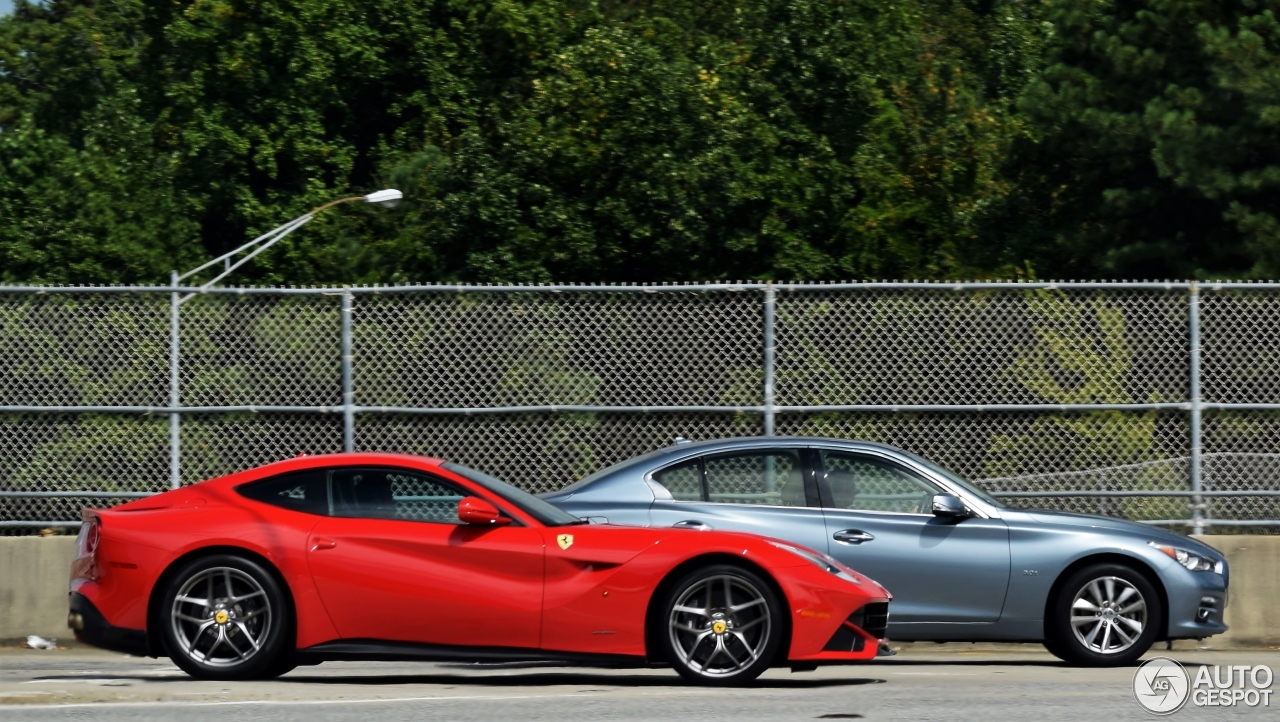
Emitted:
<point x="474" y="510"/>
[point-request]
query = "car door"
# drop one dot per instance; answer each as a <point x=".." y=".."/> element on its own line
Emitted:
<point x="879" y="522"/>
<point x="393" y="562"/>
<point x="767" y="491"/>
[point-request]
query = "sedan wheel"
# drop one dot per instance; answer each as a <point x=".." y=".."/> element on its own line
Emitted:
<point x="225" y="618"/>
<point x="723" y="625"/>
<point x="1106" y="615"/>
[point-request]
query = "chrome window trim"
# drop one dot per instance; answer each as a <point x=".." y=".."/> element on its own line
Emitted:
<point x="753" y="506"/>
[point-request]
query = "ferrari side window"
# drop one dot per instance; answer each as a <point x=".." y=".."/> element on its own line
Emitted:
<point x="867" y="483"/>
<point x="684" y="481"/>
<point x="421" y="498"/>
<point x="303" y="491"/>
<point x="374" y="493"/>
<point x="775" y="478"/>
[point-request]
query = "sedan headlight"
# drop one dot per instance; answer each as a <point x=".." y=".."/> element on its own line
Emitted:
<point x="1190" y="560"/>
<point x="820" y="560"/>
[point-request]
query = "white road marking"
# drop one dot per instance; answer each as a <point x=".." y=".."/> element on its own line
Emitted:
<point x="282" y="702"/>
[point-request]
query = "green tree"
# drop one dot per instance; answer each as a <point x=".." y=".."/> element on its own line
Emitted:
<point x="544" y="140"/>
<point x="1154" y="149"/>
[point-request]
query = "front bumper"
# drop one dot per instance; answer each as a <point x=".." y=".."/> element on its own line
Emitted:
<point x="1197" y="601"/>
<point x="833" y="620"/>
<point x="92" y="628"/>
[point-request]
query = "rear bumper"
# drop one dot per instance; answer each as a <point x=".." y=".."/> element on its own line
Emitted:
<point x="92" y="628"/>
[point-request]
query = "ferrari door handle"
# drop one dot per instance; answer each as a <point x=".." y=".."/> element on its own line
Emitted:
<point x="692" y="524"/>
<point x="852" y="536"/>
<point x="318" y="544"/>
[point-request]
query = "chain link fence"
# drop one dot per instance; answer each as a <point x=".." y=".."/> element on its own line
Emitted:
<point x="1152" y="401"/>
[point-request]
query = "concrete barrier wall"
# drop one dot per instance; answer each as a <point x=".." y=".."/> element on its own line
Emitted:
<point x="34" y="572"/>
<point x="1254" y="592"/>
<point x="33" y="586"/>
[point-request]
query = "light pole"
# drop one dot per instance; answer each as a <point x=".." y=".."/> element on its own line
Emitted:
<point x="386" y="198"/>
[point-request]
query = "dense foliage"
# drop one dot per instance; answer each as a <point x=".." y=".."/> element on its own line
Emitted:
<point x="645" y="140"/>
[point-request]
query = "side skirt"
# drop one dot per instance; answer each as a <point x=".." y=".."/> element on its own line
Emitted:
<point x="377" y="650"/>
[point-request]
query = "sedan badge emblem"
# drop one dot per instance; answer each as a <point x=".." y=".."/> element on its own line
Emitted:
<point x="564" y="540"/>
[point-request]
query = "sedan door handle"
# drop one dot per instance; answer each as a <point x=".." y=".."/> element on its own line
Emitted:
<point x="852" y="536"/>
<point x="692" y="524"/>
<point x="319" y="544"/>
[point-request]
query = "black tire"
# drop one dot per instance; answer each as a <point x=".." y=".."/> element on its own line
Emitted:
<point x="1051" y="644"/>
<point x="238" y="623"/>
<point x="1110" y="594"/>
<point x="718" y="646"/>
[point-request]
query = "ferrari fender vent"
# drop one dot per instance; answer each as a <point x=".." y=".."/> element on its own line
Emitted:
<point x="871" y="618"/>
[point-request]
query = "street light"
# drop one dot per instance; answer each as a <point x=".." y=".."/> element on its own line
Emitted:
<point x="387" y="198"/>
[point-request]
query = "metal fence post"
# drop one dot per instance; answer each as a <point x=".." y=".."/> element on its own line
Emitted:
<point x="175" y="399"/>
<point x="1197" y="501"/>
<point x="348" y="385"/>
<point x="770" y="351"/>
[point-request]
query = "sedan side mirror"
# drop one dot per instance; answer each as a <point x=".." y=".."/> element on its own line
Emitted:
<point x="474" y="510"/>
<point x="949" y="506"/>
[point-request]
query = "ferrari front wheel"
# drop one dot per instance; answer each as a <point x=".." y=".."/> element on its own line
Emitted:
<point x="723" y="625"/>
<point x="225" y="617"/>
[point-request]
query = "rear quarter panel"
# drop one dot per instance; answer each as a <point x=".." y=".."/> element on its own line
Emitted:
<point x="139" y="546"/>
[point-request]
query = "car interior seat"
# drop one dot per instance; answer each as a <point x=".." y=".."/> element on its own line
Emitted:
<point x="793" y="489"/>
<point x="844" y="490"/>
<point x="363" y="494"/>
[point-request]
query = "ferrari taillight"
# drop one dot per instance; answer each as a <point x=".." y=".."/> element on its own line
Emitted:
<point x="90" y="535"/>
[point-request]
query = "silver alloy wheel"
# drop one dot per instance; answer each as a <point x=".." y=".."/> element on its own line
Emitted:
<point x="1108" y="615"/>
<point x="720" y="625"/>
<point x="221" y="617"/>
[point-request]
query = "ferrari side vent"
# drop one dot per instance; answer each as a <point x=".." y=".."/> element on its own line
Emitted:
<point x="871" y="618"/>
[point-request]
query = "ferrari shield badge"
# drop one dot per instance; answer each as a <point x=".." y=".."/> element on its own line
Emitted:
<point x="564" y="540"/>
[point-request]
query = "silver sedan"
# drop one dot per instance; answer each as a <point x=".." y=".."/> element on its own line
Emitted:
<point x="961" y="565"/>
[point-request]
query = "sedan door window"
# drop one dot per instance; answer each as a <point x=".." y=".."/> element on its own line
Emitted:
<point x="374" y="493"/>
<point x="684" y="481"/>
<point x="775" y="478"/>
<point x="868" y="483"/>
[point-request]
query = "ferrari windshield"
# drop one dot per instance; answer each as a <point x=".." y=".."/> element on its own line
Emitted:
<point x="528" y="503"/>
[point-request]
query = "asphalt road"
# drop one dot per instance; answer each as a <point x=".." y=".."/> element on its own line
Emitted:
<point x="920" y="683"/>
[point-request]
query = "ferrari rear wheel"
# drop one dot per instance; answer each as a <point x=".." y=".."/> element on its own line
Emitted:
<point x="722" y="625"/>
<point x="225" y="617"/>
